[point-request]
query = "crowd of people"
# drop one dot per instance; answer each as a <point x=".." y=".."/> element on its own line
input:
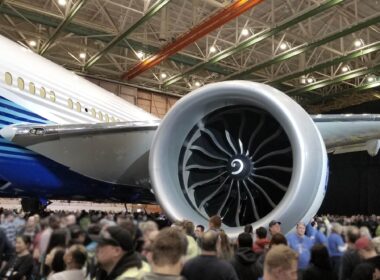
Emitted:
<point x="104" y="246"/>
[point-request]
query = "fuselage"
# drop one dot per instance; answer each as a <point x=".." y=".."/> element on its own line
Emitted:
<point x="35" y="90"/>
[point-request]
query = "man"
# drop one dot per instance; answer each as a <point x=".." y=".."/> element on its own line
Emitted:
<point x="9" y="226"/>
<point x="262" y="242"/>
<point x="350" y="258"/>
<point x="168" y="250"/>
<point x="215" y="223"/>
<point x="75" y="259"/>
<point x="301" y="244"/>
<point x="244" y="261"/>
<point x="207" y="265"/>
<point x="315" y="235"/>
<point x="367" y="252"/>
<point x="274" y="227"/>
<point x="280" y="263"/>
<point x="116" y="255"/>
<point x="199" y="230"/>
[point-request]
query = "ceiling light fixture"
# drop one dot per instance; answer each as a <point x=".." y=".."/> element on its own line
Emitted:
<point x="163" y="75"/>
<point x="140" y="54"/>
<point x="212" y="49"/>
<point x="345" y="69"/>
<point x="62" y="3"/>
<point x="245" y="32"/>
<point x="371" y="78"/>
<point x="197" y="84"/>
<point x="32" y="43"/>
<point x="358" y="43"/>
<point x="82" y="55"/>
<point x="284" y="46"/>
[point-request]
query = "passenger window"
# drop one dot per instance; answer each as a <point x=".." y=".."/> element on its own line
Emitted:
<point x="70" y="103"/>
<point x="42" y="92"/>
<point x="52" y="96"/>
<point x="8" y="78"/>
<point x="32" y="88"/>
<point x="78" y="107"/>
<point x="112" y="119"/>
<point x="100" y="116"/>
<point x="20" y="83"/>
<point x="106" y="117"/>
<point x="93" y="112"/>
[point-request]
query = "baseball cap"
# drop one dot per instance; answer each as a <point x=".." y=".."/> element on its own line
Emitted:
<point x="363" y="243"/>
<point x="115" y="236"/>
<point x="273" y="222"/>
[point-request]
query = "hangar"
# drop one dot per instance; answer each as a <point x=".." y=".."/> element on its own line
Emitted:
<point x="323" y="54"/>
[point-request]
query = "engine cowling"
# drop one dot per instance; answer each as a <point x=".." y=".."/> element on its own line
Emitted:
<point x="242" y="150"/>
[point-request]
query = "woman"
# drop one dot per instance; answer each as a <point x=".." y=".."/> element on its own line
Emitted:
<point x="20" y="266"/>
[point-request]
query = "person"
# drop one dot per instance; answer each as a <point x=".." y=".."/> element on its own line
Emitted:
<point x="350" y="258"/>
<point x="367" y="252"/>
<point x="336" y="246"/>
<point x="320" y="266"/>
<point x="274" y="227"/>
<point x="207" y="265"/>
<point x="262" y="242"/>
<point x="168" y="252"/>
<point x="280" y="263"/>
<point x="9" y="227"/>
<point x="116" y="256"/>
<point x="224" y="249"/>
<point x="300" y="243"/>
<point x="21" y="265"/>
<point x="54" y="261"/>
<point x="199" y="230"/>
<point x="244" y="261"/>
<point x="315" y="235"/>
<point x="215" y="223"/>
<point x="75" y="259"/>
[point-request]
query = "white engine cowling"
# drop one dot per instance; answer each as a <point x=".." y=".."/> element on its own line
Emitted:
<point x="242" y="150"/>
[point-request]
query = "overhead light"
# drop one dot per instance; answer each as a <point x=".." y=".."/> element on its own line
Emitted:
<point x="310" y="80"/>
<point x="32" y="43"/>
<point x="163" y="75"/>
<point x="345" y="68"/>
<point x="284" y="46"/>
<point x="371" y="78"/>
<point x="197" y="84"/>
<point x="303" y="80"/>
<point x="358" y="43"/>
<point x="82" y="55"/>
<point x="140" y="54"/>
<point x="245" y="32"/>
<point x="62" y="2"/>
<point x="212" y="49"/>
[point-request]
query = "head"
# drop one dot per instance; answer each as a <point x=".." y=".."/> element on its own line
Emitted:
<point x="54" y="259"/>
<point x="75" y="257"/>
<point x="300" y="229"/>
<point x="261" y="233"/>
<point x="147" y="227"/>
<point x="199" y="230"/>
<point x="320" y="257"/>
<point x="54" y="222"/>
<point x="22" y="244"/>
<point x="364" y="232"/>
<point x="70" y="220"/>
<point x="278" y="239"/>
<point x="248" y="229"/>
<point x="365" y="247"/>
<point x="274" y="227"/>
<point x="245" y="240"/>
<point x="78" y="236"/>
<point x="188" y="227"/>
<point x="352" y="234"/>
<point x="215" y="222"/>
<point x="209" y="241"/>
<point x="336" y="228"/>
<point x="113" y="243"/>
<point x="280" y="263"/>
<point x="168" y="248"/>
<point x="58" y="238"/>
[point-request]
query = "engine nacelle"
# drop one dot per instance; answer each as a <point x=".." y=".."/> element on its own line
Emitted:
<point x="242" y="150"/>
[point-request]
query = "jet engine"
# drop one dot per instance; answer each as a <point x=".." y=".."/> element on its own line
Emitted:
<point x="241" y="150"/>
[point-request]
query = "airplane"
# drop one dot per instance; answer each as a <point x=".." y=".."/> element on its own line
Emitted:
<point x="239" y="149"/>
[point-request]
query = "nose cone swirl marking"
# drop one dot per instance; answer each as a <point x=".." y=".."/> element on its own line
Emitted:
<point x="237" y="162"/>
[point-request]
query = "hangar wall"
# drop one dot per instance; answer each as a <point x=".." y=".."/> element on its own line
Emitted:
<point x="155" y="103"/>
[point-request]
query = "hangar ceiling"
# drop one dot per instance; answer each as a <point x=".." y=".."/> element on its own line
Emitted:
<point x="323" y="53"/>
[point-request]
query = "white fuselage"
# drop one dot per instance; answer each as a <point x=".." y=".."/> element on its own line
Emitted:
<point x="56" y="94"/>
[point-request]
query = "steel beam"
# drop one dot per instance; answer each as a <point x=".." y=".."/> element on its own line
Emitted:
<point x="216" y="20"/>
<point x="303" y="48"/>
<point x="70" y="15"/>
<point x="256" y="39"/>
<point x="123" y="35"/>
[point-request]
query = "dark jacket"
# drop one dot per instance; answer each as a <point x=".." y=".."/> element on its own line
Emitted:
<point x="18" y="268"/>
<point x="364" y="270"/>
<point x="348" y="262"/>
<point x="129" y="260"/>
<point x="208" y="268"/>
<point x="244" y="263"/>
<point x="316" y="273"/>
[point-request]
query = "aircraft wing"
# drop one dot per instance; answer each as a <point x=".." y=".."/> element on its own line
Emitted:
<point x="349" y="133"/>
<point x="111" y="152"/>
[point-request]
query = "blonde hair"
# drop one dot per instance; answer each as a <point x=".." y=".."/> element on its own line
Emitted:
<point x="280" y="256"/>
